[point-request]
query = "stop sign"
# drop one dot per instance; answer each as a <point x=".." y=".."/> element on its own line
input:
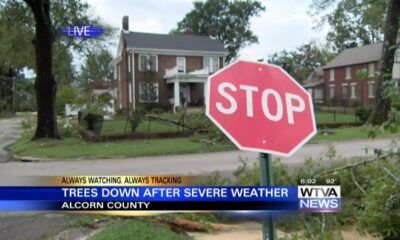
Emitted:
<point x="260" y="108"/>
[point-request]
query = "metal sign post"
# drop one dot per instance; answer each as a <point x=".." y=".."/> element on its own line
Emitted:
<point x="266" y="179"/>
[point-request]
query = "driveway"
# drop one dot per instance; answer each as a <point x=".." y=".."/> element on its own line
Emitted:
<point x="9" y="132"/>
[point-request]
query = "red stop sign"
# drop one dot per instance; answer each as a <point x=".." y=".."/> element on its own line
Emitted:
<point x="260" y="108"/>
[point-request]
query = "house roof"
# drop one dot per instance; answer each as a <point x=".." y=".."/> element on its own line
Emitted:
<point x="173" y="42"/>
<point x="317" y="72"/>
<point x="351" y="56"/>
<point x="313" y="84"/>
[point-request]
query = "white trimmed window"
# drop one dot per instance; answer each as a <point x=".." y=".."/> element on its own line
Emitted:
<point x="332" y="75"/>
<point x="148" y="62"/>
<point x="371" y="70"/>
<point x="348" y="73"/>
<point x="212" y="63"/>
<point x="331" y="91"/>
<point x="181" y="64"/>
<point x="371" y="92"/>
<point x="318" y="94"/>
<point x="148" y="91"/>
<point x="115" y="72"/>
<point x="345" y="91"/>
<point x="353" y="90"/>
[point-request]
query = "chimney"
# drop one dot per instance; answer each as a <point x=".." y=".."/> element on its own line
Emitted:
<point x="125" y="23"/>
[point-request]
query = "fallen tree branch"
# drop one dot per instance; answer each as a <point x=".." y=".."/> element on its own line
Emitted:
<point x="307" y="227"/>
<point x="176" y="122"/>
<point x="355" y="164"/>
<point x="356" y="183"/>
<point x="391" y="174"/>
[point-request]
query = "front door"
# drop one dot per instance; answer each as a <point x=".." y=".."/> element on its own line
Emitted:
<point x="185" y="94"/>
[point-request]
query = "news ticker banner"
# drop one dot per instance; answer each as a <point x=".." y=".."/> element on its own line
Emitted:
<point x="138" y="194"/>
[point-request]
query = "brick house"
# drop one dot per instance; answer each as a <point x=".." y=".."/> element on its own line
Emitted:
<point x="180" y="66"/>
<point x="349" y="79"/>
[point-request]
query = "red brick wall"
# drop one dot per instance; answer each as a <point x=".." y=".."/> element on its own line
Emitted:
<point x="123" y="82"/>
<point x="340" y="78"/>
<point x="165" y="90"/>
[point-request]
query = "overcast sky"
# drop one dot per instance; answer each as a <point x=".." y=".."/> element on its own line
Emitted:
<point x="284" y="24"/>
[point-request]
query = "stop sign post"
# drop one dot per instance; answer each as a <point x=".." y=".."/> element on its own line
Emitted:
<point x="261" y="108"/>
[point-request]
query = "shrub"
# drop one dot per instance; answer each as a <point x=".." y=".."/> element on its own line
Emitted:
<point x="65" y="95"/>
<point x="136" y="118"/>
<point x="68" y="128"/>
<point x="363" y="113"/>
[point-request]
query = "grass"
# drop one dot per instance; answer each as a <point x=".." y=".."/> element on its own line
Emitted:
<point x="137" y="230"/>
<point x="325" y="117"/>
<point x="348" y="133"/>
<point x="117" y="126"/>
<point x="71" y="148"/>
<point x="74" y="148"/>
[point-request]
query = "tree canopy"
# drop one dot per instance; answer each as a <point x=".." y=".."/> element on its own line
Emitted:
<point x="17" y="31"/>
<point x="301" y="62"/>
<point x="227" y="20"/>
<point x="351" y="23"/>
<point x="96" y="67"/>
<point x="32" y="41"/>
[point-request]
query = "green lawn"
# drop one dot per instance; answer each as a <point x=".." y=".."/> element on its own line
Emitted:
<point x="117" y="126"/>
<point x="347" y="133"/>
<point x="74" y="148"/>
<point x="324" y="117"/>
<point x="70" y="148"/>
<point x="137" y="230"/>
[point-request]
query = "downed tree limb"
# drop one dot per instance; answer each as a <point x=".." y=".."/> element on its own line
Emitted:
<point x="162" y="119"/>
<point x="356" y="164"/>
<point x="356" y="183"/>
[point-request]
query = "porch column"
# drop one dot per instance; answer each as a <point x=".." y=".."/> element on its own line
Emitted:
<point x="205" y="92"/>
<point x="177" y="101"/>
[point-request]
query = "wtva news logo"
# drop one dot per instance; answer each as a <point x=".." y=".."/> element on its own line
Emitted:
<point x="319" y="198"/>
<point x="81" y="31"/>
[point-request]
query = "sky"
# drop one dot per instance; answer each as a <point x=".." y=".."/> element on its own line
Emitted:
<point x="284" y="24"/>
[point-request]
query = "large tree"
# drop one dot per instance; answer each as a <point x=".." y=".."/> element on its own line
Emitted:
<point x="351" y="22"/>
<point x="304" y="60"/>
<point x="96" y="67"/>
<point x="359" y="22"/>
<point x="45" y="85"/>
<point x="228" y="20"/>
<point x="38" y="20"/>
<point x="382" y="103"/>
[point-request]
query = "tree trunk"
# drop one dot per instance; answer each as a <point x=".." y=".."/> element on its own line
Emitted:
<point x="382" y="103"/>
<point x="45" y="85"/>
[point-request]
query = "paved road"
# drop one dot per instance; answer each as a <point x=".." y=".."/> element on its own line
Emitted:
<point x="198" y="164"/>
<point x="225" y="162"/>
